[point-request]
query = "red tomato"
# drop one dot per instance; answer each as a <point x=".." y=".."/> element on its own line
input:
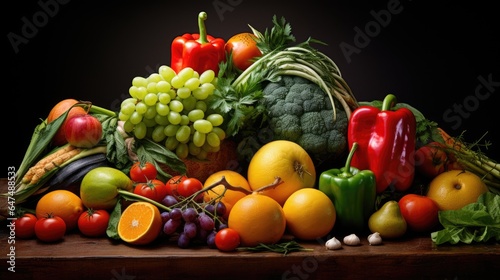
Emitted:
<point x="227" y="239"/>
<point x="153" y="189"/>
<point x="430" y="160"/>
<point x="50" y="228"/>
<point x="243" y="49"/>
<point x="420" y="212"/>
<point x="173" y="183"/>
<point x="189" y="186"/>
<point x="93" y="223"/>
<point x="142" y="171"/>
<point x="25" y="226"/>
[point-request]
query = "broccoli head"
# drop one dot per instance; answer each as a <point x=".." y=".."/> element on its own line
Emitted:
<point x="298" y="110"/>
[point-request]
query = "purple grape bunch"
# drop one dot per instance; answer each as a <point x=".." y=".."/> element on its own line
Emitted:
<point x="193" y="223"/>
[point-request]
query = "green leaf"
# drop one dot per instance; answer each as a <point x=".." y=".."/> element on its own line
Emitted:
<point x="116" y="148"/>
<point x="475" y="222"/>
<point x="492" y="203"/>
<point x="114" y="218"/>
<point x="39" y="144"/>
<point x="159" y="154"/>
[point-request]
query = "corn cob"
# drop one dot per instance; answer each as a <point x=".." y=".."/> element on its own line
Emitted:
<point x="45" y="168"/>
<point x="49" y="162"/>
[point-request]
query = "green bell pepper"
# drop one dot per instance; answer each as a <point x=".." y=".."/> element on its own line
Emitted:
<point x="353" y="193"/>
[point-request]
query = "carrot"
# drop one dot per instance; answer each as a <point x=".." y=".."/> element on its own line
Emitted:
<point x="450" y="141"/>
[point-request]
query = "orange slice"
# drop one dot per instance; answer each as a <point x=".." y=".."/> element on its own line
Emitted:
<point x="140" y="223"/>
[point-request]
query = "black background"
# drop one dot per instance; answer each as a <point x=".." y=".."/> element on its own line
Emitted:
<point x="430" y="55"/>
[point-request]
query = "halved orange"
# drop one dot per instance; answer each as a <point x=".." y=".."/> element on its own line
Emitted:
<point x="140" y="223"/>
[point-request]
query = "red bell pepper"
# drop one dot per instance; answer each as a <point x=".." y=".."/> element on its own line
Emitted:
<point x="386" y="140"/>
<point x="198" y="51"/>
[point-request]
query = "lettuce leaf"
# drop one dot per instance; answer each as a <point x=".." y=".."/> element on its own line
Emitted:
<point x="476" y="222"/>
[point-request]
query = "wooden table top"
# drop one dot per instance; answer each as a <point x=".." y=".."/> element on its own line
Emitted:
<point x="79" y="257"/>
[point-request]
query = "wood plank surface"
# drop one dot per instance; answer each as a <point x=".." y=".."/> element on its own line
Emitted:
<point x="79" y="257"/>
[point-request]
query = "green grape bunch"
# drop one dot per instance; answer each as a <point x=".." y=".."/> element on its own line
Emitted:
<point x="171" y="108"/>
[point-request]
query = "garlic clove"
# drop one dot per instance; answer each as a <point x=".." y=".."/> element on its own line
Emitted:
<point x="352" y="240"/>
<point x="375" y="239"/>
<point x="333" y="244"/>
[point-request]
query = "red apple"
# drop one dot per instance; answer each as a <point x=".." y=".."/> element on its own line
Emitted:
<point x="83" y="131"/>
<point x="60" y="108"/>
<point x="419" y="211"/>
<point x="431" y="159"/>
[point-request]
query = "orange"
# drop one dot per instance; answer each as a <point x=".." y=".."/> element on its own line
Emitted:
<point x="62" y="203"/>
<point x="230" y="197"/>
<point x="453" y="189"/>
<point x="309" y="213"/>
<point x="59" y="109"/>
<point x="257" y="219"/>
<point x="286" y="160"/>
<point x="140" y="223"/>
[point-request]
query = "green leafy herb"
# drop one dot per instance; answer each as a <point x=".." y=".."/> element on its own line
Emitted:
<point x="476" y="222"/>
<point x="282" y="248"/>
<point x="279" y="36"/>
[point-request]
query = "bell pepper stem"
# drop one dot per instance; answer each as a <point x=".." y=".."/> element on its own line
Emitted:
<point x="389" y="102"/>
<point x="347" y="168"/>
<point x="202" y="16"/>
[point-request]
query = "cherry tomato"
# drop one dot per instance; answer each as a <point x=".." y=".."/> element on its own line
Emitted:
<point x="189" y="186"/>
<point x="142" y="171"/>
<point x="431" y="159"/>
<point x="173" y="183"/>
<point x="243" y="49"/>
<point x="50" y="228"/>
<point x="93" y="223"/>
<point x="420" y="212"/>
<point x="153" y="189"/>
<point x="25" y="226"/>
<point x="227" y="239"/>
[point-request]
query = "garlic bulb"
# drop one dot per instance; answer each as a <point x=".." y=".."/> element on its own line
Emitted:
<point x="375" y="239"/>
<point x="352" y="240"/>
<point x="333" y="244"/>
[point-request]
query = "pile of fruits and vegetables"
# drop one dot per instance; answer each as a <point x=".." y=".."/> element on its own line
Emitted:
<point x="254" y="143"/>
